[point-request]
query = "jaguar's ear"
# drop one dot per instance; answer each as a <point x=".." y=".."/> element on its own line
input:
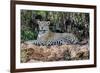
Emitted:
<point x="48" y="22"/>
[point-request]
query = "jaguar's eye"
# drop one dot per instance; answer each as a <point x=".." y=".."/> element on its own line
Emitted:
<point x="41" y="27"/>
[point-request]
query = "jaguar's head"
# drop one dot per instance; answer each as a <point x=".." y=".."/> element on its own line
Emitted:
<point x="43" y="27"/>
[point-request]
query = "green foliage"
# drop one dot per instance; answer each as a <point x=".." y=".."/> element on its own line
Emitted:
<point x="28" y="35"/>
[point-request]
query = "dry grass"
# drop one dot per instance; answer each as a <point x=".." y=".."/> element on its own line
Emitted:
<point x="33" y="53"/>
